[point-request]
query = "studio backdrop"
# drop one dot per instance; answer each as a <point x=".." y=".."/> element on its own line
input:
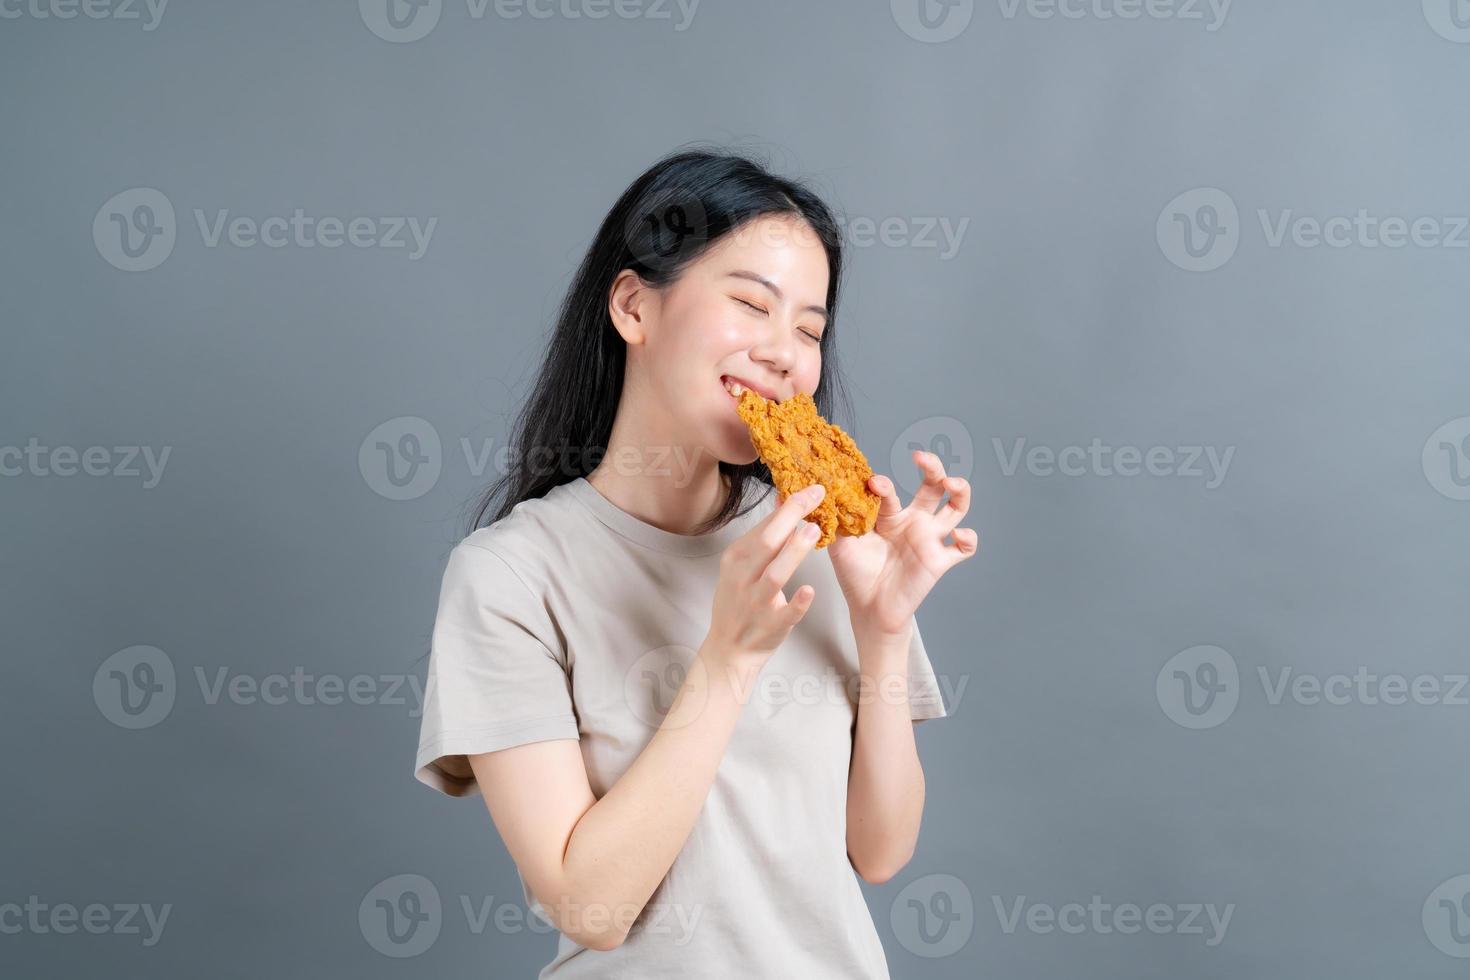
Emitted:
<point x="1180" y="286"/>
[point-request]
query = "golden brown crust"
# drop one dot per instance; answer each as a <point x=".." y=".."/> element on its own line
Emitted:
<point x="801" y="448"/>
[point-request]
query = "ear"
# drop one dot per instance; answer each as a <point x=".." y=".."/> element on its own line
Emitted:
<point x="628" y="306"/>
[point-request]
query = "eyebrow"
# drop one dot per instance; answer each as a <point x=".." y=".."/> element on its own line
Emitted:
<point x="821" y="311"/>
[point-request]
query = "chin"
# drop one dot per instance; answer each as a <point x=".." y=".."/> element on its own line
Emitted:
<point x="736" y="453"/>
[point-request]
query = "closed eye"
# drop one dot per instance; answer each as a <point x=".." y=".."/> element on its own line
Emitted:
<point x="758" y="309"/>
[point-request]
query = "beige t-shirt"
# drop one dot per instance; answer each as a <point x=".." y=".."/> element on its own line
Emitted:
<point x="571" y="618"/>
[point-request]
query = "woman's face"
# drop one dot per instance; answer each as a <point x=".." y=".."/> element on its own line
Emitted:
<point x="750" y="311"/>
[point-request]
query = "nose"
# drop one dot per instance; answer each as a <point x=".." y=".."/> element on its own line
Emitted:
<point x="777" y="352"/>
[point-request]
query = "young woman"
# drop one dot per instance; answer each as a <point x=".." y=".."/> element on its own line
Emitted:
<point x="686" y="767"/>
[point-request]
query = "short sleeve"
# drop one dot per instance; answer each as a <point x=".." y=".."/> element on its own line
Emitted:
<point x="925" y="701"/>
<point x="494" y="678"/>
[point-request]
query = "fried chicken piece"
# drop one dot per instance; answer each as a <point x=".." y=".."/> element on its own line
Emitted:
<point x="801" y="448"/>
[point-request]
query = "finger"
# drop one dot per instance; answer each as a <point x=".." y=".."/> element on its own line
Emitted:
<point x="771" y="532"/>
<point x="966" y="543"/>
<point x="932" y="490"/>
<point x="957" y="505"/>
<point x="798" y="606"/>
<point x="889" y="505"/>
<point x="776" y="573"/>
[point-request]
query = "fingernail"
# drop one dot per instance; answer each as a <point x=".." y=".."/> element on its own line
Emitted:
<point x="811" y="530"/>
<point x="816" y="491"/>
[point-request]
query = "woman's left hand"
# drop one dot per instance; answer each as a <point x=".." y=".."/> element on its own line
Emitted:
<point x="886" y="573"/>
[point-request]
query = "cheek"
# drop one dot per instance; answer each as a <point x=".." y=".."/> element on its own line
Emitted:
<point x="809" y="371"/>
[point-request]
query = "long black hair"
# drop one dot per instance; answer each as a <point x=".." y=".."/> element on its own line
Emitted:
<point x="674" y="212"/>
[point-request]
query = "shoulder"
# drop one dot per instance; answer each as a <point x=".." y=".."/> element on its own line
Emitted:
<point x="534" y="534"/>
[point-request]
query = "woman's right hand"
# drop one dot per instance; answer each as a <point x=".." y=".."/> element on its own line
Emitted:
<point x="751" y="615"/>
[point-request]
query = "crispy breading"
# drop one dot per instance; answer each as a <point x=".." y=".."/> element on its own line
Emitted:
<point x="801" y="448"/>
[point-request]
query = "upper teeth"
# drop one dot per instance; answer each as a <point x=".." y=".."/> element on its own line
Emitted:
<point x="734" y="387"/>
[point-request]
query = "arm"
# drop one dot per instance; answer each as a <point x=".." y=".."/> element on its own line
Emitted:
<point x="595" y="863"/>
<point x="885" y="783"/>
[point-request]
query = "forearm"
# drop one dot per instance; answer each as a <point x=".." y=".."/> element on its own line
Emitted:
<point x="885" y="786"/>
<point x="624" y="845"/>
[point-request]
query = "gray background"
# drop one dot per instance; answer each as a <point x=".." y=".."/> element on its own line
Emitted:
<point x="1334" y="544"/>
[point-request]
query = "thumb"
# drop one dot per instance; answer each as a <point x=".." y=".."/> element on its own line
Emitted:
<point x="888" y="505"/>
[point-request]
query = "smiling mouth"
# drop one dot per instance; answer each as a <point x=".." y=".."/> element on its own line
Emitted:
<point x="736" y="389"/>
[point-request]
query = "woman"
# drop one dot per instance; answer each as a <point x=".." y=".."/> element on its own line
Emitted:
<point x="686" y="767"/>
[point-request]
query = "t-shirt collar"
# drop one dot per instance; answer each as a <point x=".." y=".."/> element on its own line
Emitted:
<point x="657" y="538"/>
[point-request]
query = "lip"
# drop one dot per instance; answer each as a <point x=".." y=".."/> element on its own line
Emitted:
<point x="759" y="389"/>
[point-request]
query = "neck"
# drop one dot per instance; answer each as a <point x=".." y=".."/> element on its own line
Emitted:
<point x="649" y="471"/>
